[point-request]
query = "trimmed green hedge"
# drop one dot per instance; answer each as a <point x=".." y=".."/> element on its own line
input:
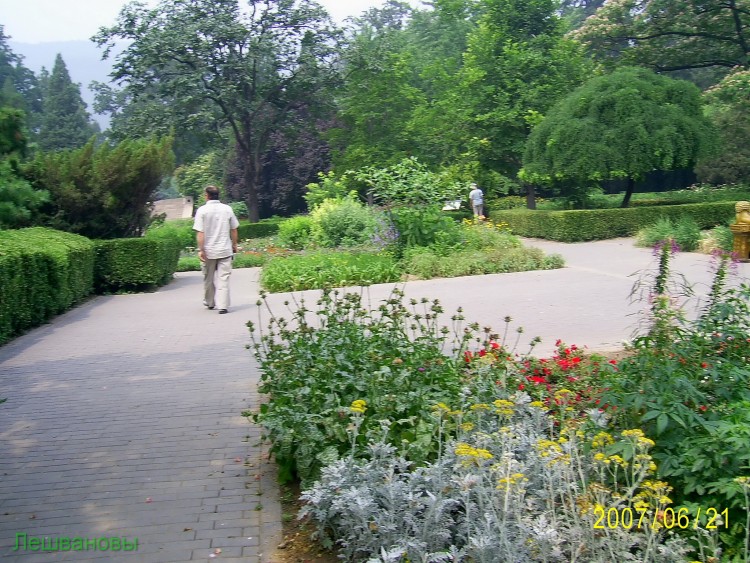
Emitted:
<point x="135" y="264"/>
<point x="600" y="224"/>
<point x="43" y="272"/>
<point x="181" y="229"/>
<point x="265" y="228"/>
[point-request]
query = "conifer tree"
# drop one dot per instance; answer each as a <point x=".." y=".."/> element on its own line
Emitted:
<point x="65" y="121"/>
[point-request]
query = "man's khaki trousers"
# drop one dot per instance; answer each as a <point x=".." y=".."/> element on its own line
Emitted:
<point x="216" y="272"/>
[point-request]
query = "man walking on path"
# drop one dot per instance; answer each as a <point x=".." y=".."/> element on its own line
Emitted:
<point x="216" y="227"/>
<point x="477" y="201"/>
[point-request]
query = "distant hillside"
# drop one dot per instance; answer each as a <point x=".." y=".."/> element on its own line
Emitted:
<point x="83" y="59"/>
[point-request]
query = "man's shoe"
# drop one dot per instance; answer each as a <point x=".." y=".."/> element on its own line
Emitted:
<point x="223" y="311"/>
<point x="207" y="305"/>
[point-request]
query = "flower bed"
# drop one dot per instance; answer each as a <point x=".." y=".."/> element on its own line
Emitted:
<point x="423" y="443"/>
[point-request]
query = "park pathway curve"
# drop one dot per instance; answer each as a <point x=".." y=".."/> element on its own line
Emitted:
<point x="123" y="420"/>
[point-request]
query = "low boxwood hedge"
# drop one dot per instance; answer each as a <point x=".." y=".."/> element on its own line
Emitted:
<point x="264" y="228"/>
<point x="43" y="272"/>
<point x="135" y="264"/>
<point x="181" y="229"/>
<point x="600" y="224"/>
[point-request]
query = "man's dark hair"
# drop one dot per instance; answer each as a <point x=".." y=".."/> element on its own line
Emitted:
<point x="212" y="192"/>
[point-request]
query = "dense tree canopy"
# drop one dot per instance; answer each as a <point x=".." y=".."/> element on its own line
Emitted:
<point x="18" y="200"/>
<point x="670" y="35"/>
<point x="621" y="125"/>
<point x="729" y="109"/>
<point x="245" y="67"/>
<point x="19" y="87"/>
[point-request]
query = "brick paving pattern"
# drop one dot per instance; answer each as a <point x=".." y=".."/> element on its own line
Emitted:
<point x="123" y="420"/>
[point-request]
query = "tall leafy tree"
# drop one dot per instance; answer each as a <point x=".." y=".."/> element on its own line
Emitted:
<point x="240" y="66"/>
<point x="65" y="123"/>
<point x="622" y="125"/>
<point x="18" y="201"/>
<point x="19" y="87"/>
<point x="670" y="35"/>
<point x="729" y="109"/>
<point x="516" y="66"/>
<point x="378" y="94"/>
<point x="575" y="12"/>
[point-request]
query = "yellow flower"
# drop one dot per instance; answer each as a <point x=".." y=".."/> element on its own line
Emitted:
<point x="602" y="439"/>
<point x="619" y="460"/>
<point x="473" y="454"/>
<point x="503" y="407"/>
<point x="358" y="406"/>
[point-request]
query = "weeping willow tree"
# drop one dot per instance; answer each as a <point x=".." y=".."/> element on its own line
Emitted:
<point x="619" y="126"/>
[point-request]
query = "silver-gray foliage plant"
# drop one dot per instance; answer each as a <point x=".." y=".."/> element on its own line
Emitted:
<point x="458" y="508"/>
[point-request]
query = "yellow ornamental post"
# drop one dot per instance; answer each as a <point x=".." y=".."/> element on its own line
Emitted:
<point x="741" y="231"/>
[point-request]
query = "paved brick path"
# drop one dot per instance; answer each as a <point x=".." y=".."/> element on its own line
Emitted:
<point x="123" y="420"/>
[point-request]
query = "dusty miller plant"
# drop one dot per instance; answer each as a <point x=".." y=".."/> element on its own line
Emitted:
<point x="512" y="487"/>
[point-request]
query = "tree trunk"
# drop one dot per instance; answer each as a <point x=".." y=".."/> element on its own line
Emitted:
<point x="530" y="196"/>
<point x="250" y="182"/>
<point x="628" y="193"/>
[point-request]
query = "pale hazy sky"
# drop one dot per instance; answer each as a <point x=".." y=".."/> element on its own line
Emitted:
<point x="40" y="21"/>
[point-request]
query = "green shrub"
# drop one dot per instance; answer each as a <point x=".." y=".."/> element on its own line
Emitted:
<point x="426" y="263"/>
<point x="135" y="264"/>
<point x="328" y="187"/>
<point x="686" y="384"/>
<point x="296" y="232"/>
<point x="179" y="229"/>
<point x="422" y="225"/>
<point x="684" y="231"/>
<point x="240" y="209"/>
<point x="264" y="228"/>
<point x="43" y="272"/>
<point x="724" y="237"/>
<point x="599" y="224"/>
<point x="342" y="223"/>
<point x="248" y="260"/>
<point x="188" y="264"/>
<point x="391" y="359"/>
<point x="328" y="269"/>
<point x="507" y="202"/>
<point x="242" y="260"/>
<point x="478" y="236"/>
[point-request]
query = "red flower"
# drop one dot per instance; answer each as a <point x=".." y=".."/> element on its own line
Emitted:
<point x="703" y="408"/>
<point x="704" y="365"/>
<point x="521" y="387"/>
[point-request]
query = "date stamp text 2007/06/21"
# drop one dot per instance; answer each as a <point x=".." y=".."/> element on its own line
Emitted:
<point x="638" y="518"/>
